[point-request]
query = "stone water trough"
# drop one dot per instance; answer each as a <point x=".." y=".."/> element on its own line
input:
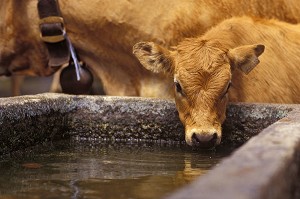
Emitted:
<point x="266" y="166"/>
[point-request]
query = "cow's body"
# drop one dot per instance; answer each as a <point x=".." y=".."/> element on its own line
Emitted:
<point x="103" y="33"/>
<point x="203" y="68"/>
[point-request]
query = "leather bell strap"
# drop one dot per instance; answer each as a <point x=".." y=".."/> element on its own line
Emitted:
<point x="53" y="32"/>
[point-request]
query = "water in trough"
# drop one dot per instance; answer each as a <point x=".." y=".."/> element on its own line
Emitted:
<point x="72" y="169"/>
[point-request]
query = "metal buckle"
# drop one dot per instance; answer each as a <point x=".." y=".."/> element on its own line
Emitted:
<point x="52" y="20"/>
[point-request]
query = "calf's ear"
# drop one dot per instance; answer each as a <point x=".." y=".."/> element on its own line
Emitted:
<point x="154" y="57"/>
<point x="245" y="57"/>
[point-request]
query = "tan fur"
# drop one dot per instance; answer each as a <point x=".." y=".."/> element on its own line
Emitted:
<point x="103" y="33"/>
<point x="204" y="66"/>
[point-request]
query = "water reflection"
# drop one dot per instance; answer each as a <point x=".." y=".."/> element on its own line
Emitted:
<point x="76" y="170"/>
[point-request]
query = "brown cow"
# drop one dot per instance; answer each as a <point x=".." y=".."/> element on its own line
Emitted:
<point x="103" y="33"/>
<point x="204" y="67"/>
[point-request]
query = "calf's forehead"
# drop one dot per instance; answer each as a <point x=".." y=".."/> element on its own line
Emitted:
<point x="192" y="55"/>
<point x="201" y="62"/>
<point x="205" y="85"/>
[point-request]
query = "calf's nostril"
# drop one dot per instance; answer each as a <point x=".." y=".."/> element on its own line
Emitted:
<point x="194" y="137"/>
<point x="214" y="136"/>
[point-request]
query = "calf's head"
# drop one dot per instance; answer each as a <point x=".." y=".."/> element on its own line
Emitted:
<point x="202" y="73"/>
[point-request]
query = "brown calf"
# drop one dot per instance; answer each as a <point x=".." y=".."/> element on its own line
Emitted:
<point x="204" y="67"/>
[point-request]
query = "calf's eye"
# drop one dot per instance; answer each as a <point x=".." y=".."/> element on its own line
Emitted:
<point x="228" y="87"/>
<point x="226" y="91"/>
<point x="178" y="87"/>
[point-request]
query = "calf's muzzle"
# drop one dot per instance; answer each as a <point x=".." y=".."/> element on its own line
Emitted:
<point x="203" y="139"/>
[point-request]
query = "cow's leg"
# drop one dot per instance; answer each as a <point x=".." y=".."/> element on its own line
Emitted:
<point x="117" y="84"/>
<point x="55" y="85"/>
<point x="16" y="84"/>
